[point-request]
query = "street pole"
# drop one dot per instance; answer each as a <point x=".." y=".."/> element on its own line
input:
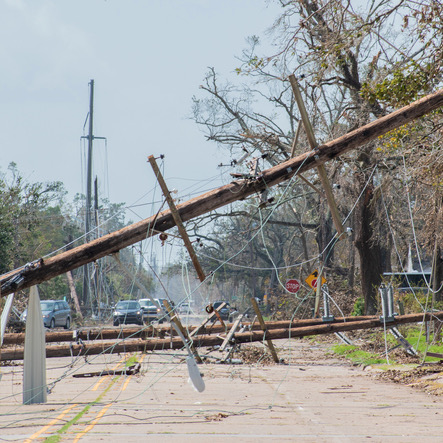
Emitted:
<point x="90" y="137"/>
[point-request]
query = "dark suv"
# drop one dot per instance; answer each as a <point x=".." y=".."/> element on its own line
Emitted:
<point x="128" y="311"/>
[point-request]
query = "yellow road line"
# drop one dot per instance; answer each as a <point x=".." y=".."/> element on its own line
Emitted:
<point x="93" y="423"/>
<point x="96" y="386"/>
<point x="51" y="423"/>
<point x="126" y="383"/>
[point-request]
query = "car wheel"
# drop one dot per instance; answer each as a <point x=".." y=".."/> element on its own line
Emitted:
<point x="52" y="324"/>
<point x="68" y="323"/>
<point x="116" y="323"/>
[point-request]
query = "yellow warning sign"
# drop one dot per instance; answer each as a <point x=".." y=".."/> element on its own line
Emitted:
<point x="311" y="280"/>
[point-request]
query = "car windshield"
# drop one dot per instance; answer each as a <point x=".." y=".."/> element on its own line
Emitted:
<point x="127" y="305"/>
<point x="218" y="303"/>
<point x="47" y="305"/>
<point x="146" y="303"/>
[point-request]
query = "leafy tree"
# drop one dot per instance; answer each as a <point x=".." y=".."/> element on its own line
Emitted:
<point x="23" y="207"/>
<point x="354" y="64"/>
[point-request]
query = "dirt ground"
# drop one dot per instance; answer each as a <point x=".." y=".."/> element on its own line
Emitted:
<point x="311" y="397"/>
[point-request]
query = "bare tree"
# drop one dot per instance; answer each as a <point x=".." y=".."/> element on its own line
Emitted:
<point x="354" y="64"/>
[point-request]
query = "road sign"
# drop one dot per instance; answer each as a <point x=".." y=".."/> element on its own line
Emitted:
<point x="311" y="280"/>
<point x="292" y="285"/>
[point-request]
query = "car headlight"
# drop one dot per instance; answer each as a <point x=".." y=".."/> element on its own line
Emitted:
<point x="138" y="312"/>
<point x="117" y="313"/>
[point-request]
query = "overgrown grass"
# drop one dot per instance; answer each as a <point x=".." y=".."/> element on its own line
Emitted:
<point x="357" y="355"/>
<point x="417" y="337"/>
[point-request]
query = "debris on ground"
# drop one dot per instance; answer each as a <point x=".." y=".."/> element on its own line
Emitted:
<point x="130" y="370"/>
<point x="428" y="378"/>
<point x="254" y="355"/>
<point x="216" y="417"/>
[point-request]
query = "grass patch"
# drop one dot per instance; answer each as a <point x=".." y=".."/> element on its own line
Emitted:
<point x="417" y="337"/>
<point x="414" y="334"/>
<point x="131" y="361"/>
<point x="358" y="356"/>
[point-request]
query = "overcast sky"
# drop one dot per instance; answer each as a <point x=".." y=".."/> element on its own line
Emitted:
<point x="147" y="59"/>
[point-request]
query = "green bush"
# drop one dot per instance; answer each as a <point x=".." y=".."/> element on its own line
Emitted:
<point x="359" y="307"/>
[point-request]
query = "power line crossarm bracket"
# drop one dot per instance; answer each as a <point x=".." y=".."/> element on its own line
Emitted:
<point x="177" y="218"/>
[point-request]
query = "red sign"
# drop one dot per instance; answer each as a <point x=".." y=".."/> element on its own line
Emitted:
<point x="292" y="285"/>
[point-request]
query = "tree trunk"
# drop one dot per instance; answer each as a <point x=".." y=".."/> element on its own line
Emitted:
<point x="369" y="249"/>
<point x="437" y="275"/>
<point x="324" y="236"/>
<point x="74" y="293"/>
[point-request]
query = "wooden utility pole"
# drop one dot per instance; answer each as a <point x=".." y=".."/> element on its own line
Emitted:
<point x="43" y="270"/>
<point x="177" y="218"/>
<point x="93" y="334"/>
<point x="143" y="345"/>
<point x="314" y="146"/>
<point x="265" y="330"/>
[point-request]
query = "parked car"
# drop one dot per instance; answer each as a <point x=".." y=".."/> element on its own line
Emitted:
<point x="128" y="311"/>
<point x="185" y="308"/>
<point x="151" y="311"/>
<point x="55" y="313"/>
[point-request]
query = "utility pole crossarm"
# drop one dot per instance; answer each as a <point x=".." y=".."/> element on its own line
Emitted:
<point x="43" y="270"/>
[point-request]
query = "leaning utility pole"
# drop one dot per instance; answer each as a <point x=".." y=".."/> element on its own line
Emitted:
<point x="177" y="219"/>
<point x="42" y="270"/>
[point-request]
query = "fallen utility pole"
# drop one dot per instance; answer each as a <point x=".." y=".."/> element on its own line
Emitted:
<point x="43" y="270"/>
<point x="165" y="344"/>
<point x="92" y="334"/>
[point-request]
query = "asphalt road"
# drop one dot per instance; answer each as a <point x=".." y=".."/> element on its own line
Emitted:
<point x="310" y="398"/>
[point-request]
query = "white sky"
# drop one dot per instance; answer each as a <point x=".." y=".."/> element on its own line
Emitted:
<point x="147" y="59"/>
